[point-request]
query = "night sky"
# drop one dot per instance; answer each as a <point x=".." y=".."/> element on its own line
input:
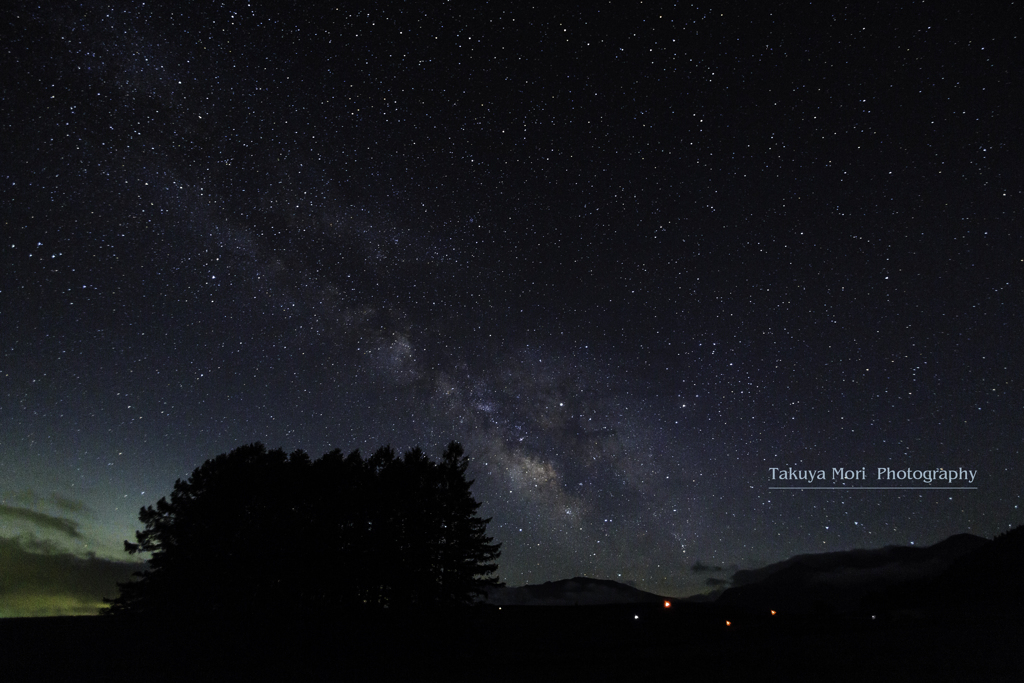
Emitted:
<point x="630" y="255"/>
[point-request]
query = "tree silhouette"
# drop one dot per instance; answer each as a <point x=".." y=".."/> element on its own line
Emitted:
<point x="263" y="532"/>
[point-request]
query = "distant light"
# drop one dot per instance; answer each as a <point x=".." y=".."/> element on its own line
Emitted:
<point x="773" y="613"/>
<point x="636" y="616"/>
<point x="728" y="623"/>
<point x="667" y="604"/>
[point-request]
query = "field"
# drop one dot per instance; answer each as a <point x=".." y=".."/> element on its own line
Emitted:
<point x="646" y="643"/>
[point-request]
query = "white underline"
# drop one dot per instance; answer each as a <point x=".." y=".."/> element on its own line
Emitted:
<point x="873" y="488"/>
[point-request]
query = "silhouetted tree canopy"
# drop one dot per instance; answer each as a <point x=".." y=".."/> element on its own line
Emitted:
<point x="257" y="532"/>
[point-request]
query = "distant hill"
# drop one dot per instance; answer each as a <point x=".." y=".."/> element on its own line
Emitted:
<point x="993" y="572"/>
<point x="985" y="582"/>
<point x="843" y="581"/>
<point x="964" y="572"/>
<point x="567" y="592"/>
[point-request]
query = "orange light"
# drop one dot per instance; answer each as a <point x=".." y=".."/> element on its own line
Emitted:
<point x="667" y="604"/>
<point x="773" y="613"/>
<point x="728" y="623"/>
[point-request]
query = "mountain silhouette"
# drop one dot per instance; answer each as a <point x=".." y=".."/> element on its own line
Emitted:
<point x="985" y="582"/>
<point x="992" y="570"/>
<point x="568" y="592"/>
<point x="841" y="582"/>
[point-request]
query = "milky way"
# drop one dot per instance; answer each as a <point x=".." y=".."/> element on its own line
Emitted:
<point x="631" y="258"/>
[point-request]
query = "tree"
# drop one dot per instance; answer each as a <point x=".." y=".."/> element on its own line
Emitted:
<point x="256" y="531"/>
<point x="466" y="552"/>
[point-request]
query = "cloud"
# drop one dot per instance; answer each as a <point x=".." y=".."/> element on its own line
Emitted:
<point x="63" y="525"/>
<point x="712" y="581"/>
<point x="38" y="580"/>
<point x="68" y="504"/>
<point x="31" y="499"/>
<point x="701" y="567"/>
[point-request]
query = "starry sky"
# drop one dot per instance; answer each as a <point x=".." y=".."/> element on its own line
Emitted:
<point x="631" y="255"/>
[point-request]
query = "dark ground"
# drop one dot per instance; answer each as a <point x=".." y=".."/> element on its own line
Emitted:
<point x="685" y="642"/>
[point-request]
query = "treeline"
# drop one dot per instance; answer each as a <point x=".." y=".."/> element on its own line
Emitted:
<point x="256" y="531"/>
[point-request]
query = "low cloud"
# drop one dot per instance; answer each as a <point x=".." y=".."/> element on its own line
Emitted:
<point x="700" y="567"/>
<point x="67" y="504"/>
<point x="63" y="525"/>
<point x="31" y="499"/>
<point x="37" y="579"/>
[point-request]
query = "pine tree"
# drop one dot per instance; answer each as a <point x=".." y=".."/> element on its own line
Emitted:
<point x="468" y="556"/>
<point x="256" y="531"/>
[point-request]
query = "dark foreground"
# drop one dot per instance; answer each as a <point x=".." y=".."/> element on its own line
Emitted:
<point x="684" y="642"/>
